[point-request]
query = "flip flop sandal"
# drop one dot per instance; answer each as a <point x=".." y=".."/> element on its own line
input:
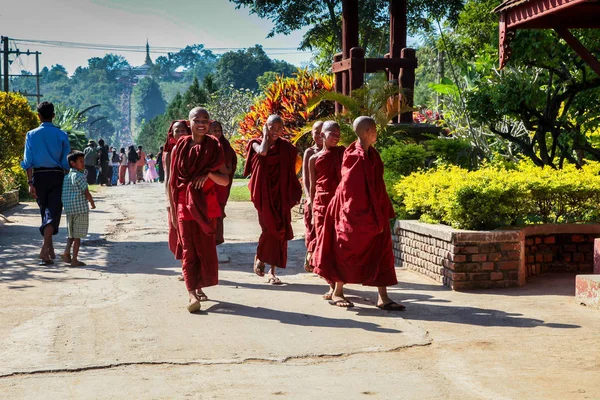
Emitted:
<point x="194" y="307"/>
<point x="327" y="296"/>
<point x="202" y="296"/>
<point x="273" y="280"/>
<point x="392" y="306"/>
<point x="339" y="302"/>
<point x="79" y="264"/>
<point x="307" y="266"/>
<point x="181" y="278"/>
<point x="46" y="262"/>
<point x="259" y="267"/>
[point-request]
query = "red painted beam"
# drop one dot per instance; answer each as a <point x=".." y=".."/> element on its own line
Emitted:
<point x="579" y="49"/>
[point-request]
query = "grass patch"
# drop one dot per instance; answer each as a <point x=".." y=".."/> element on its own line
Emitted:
<point x="239" y="193"/>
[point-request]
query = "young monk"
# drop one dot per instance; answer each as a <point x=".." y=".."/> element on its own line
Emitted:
<point x="177" y="129"/>
<point x="356" y="241"/>
<point x="196" y="167"/>
<point x="274" y="190"/>
<point x="309" y="234"/>
<point x="216" y="130"/>
<point x="325" y="173"/>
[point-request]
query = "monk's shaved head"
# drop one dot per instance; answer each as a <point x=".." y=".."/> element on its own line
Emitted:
<point x="197" y="111"/>
<point x="362" y="124"/>
<point x="330" y="125"/>
<point x="317" y="125"/>
<point x="274" y="118"/>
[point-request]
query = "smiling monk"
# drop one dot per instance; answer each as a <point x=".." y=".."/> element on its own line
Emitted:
<point x="274" y="190"/>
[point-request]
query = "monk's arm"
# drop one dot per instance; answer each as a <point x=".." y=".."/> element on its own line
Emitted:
<point x="220" y="177"/>
<point x="263" y="148"/>
<point x="167" y="168"/>
<point x="312" y="178"/>
<point x="305" y="173"/>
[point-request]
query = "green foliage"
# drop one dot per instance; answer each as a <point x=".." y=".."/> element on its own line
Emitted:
<point x="265" y="80"/>
<point x="228" y="106"/>
<point x="147" y="101"/>
<point x="239" y="193"/>
<point x="494" y="196"/>
<point x="72" y="122"/>
<point x="403" y="159"/>
<point x="16" y="119"/>
<point x="241" y="68"/>
<point x="452" y="151"/>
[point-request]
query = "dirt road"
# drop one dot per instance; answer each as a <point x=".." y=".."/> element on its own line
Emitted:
<point x="118" y="328"/>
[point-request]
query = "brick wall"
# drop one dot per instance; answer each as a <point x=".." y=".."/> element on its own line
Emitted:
<point x="559" y="253"/>
<point x="458" y="260"/>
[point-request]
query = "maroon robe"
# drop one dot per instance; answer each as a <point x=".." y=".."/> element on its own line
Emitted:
<point x="223" y="191"/>
<point x="197" y="209"/>
<point x="328" y="171"/>
<point x="274" y="190"/>
<point x="356" y="242"/>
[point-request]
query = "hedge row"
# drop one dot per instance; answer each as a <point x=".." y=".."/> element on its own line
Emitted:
<point x="496" y="196"/>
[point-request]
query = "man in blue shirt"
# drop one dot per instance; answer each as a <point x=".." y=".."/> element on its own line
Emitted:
<point x="45" y="160"/>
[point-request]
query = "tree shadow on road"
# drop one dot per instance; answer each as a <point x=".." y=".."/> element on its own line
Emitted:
<point x="294" y="318"/>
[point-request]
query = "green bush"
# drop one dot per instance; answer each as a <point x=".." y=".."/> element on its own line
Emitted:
<point x="493" y="196"/>
<point x="452" y="151"/>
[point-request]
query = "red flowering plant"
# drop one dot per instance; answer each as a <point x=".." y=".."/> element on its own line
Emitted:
<point x="288" y="98"/>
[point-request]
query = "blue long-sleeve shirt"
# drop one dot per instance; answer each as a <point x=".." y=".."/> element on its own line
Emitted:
<point x="46" y="147"/>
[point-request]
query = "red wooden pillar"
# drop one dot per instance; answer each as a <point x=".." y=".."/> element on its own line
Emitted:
<point x="338" y="82"/>
<point x="407" y="84"/>
<point x="357" y="73"/>
<point x="398" y="32"/>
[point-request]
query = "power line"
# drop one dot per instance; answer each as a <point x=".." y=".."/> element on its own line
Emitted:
<point x="142" y="49"/>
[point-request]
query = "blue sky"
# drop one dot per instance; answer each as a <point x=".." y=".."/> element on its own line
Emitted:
<point x="173" y="23"/>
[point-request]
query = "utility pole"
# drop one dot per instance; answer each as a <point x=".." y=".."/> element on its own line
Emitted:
<point x="440" y="76"/>
<point x="5" y="53"/>
<point x="5" y="62"/>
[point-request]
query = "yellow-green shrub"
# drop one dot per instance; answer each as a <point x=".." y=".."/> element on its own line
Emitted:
<point x="16" y="118"/>
<point x="494" y="196"/>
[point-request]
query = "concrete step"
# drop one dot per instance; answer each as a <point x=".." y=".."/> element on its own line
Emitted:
<point x="587" y="290"/>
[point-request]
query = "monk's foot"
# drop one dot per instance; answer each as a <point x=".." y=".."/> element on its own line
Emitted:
<point x="259" y="267"/>
<point x="328" y="295"/>
<point x="273" y="280"/>
<point x="194" y="303"/>
<point x="66" y="257"/>
<point x="391" y="306"/>
<point x="77" y="263"/>
<point x="201" y="296"/>
<point x="340" y="301"/>
<point x="307" y="266"/>
<point x="180" y="278"/>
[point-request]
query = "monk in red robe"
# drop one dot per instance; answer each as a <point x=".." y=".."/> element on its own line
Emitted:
<point x="177" y="129"/>
<point x="274" y="190"/>
<point x="216" y="130"/>
<point x="325" y="173"/>
<point x="356" y="241"/>
<point x="309" y="234"/>
<point x="196" y="167"/>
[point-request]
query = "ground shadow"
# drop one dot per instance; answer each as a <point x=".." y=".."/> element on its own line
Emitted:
<point x="293" y="318"/>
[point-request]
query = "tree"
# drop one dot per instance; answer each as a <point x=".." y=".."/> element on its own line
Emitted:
<point x="72" y="121"/>
<point x="16" y="119"/>
<point x="228" y="106"/>
<point x="323" y="17"/>
<point x="147" y="101"/>
<point x="241" y="68"/>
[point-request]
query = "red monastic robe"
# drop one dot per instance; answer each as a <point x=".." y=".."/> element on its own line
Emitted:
<point x="274" y="190"/>
<point x="197" y="209"/>
<point x="328" y="170"/>
<point x="223" y="191"/>
<point x="174" y="245"/>
<point x="309" y="229"/>
<point x="356" y="242"/>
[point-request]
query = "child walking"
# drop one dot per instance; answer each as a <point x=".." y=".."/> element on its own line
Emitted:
<point x="75" y="197"/>
<point x="151" y="174"/>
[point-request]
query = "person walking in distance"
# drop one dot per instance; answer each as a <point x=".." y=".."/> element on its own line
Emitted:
<point x="140" y="164"/>
<point x="132" y="159"/>
<point x="122" y="165"/>
<point x="90" y="159"/>
<point x="45" y="160"/>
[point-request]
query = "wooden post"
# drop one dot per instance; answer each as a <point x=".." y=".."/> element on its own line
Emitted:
<point x="349" y="26"/>
<point x="407" y="84"/>
<point x="580" y="49"/>
<point x="398" y="27"/>
<point x="357" y="74"/>
<point x="338" y="83"/>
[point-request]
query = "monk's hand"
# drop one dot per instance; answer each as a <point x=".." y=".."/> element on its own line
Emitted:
<point x="200" y="181"/>
<point x="265" y="132"/>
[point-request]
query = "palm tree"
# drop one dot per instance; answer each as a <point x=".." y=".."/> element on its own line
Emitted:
<point x="71" y="121"/>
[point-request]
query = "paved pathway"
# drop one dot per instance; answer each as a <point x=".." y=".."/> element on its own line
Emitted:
<point x="117" y="328"/>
